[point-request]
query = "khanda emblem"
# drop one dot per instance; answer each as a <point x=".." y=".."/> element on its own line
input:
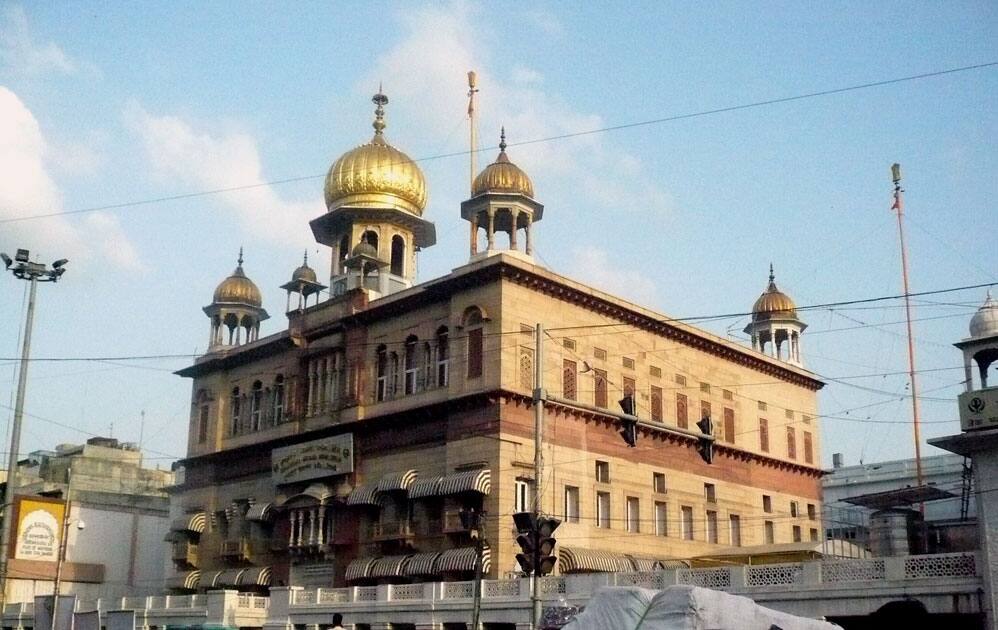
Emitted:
<point x="976" y="405"/>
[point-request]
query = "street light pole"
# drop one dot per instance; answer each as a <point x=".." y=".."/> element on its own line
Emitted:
<point x="61" y="558"/>
<point x="34" y="273"/>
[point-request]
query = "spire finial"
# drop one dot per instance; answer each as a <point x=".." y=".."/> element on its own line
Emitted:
<point x="306" y="258"/>
<point x="380" y="100"/>
<point x="240" y="259"/>
<point x="772" y="277"/>
<point x="502" y="138"/>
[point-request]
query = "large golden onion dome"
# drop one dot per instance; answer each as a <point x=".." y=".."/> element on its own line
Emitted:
<point x="502" y="176"/>
<point x="238" y="289"/>
<point x="773" y="303"/>
<point x="376" y="174"/>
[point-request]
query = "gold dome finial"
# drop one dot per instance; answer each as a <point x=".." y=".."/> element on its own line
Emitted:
<point x="240" y="259"/>
<point x="772" y="276"/>
<point x="306" y="258"/>
<point x="380" y="100"/>
<point x="502" y="138"/>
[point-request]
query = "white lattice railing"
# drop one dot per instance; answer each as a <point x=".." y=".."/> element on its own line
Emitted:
<point x="500" y="588"/>
<point x="774" y="574"/>
<point x="716" y="578"/>
<point x="407" y="592"/>
<point x="458" y="590"/>
<point x="940" y="566"/>
<point x="859" y="570"/>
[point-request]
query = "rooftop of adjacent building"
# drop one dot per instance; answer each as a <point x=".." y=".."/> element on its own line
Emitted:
<point x="899" y="469"/>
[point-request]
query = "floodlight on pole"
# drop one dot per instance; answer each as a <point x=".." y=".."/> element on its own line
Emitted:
<point x="23" y="269"/>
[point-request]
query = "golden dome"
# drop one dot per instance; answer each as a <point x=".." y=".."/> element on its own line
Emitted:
<point x="773" y="303"/>
<point x="238" y="289"/>
<point x="502" y="176"/>
<point x="304" y="273"/>
<point x="376" y="174"/>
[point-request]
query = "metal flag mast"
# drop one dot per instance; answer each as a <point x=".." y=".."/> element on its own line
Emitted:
<point x="473" y="135"/>
<point x="899" y="207"/>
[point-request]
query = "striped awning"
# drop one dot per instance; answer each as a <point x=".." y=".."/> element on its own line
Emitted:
<point x="469" y="481"/>
<point x="173" y="536"/>
<point x="226" y="578"/>
<point x="358" y="569"/>
<point x="389" y="566"/>
<point x="576" y="560"/>
<point x="255" y="576"/>
<point x="190" y="523"/>
<point x="425" y="487"/>
<point x="644" y="564"/>
<point x="261" y="512"/>
<point x="185" y="581"/>
<point x="463" y="560"/>
<point x="421" y="564"/>
<point x="397" y="481"/>
<point x="364" y="495"/>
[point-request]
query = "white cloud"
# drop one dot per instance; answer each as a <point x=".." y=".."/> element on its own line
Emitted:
<point x="27" y="188"/>
<point x="594" y="264"/>
<point x="211" y="160"/>
<point x="21" y="53"/>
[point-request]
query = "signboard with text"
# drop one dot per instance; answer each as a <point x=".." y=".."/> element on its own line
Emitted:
<point x="39" y="528"/>
<point x="979" y="409"/>
<point x="311" y="460"/>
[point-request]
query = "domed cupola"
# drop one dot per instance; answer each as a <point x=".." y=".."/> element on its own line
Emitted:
<point x="984" y="323"/>
<point x="502" y="199"/>
<point x="304" y="283"/>
<point x="775" y="328"/>
<point x="236" y="307"/>
<point x="378" y="193"/>
<point x="982" y="345"/>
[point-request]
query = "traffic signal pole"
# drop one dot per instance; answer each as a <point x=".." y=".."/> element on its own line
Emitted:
<point x="539" y="395"/>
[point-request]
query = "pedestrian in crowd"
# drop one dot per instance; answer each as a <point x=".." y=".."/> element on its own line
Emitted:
<point x="337" y="621"/>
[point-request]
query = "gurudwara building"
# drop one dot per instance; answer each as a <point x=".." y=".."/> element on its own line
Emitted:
<point x="341" y="449"/>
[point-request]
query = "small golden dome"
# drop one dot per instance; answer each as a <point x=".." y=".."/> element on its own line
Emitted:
<point x="502" y="176"/>
<point x="773" y="303"/>
<point x="304" y="273"/>
<point x="376" y="174"/>
<point x="364" y="248"/>
<point x="238" y="289"/>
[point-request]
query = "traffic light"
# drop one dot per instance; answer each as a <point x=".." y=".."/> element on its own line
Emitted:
<point x="705" y="444"/>
<point x="630" y="426"/>
<point x="536" y="555"/>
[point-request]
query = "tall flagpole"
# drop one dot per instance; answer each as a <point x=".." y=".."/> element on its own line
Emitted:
<point x="899" y="207"/>
<point x="473" y="133"/>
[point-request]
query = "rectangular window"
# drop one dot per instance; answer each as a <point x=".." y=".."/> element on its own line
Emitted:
<point x="658" y="482"/>
<point x="633" y="515"/>
<point x="727" y="394"/>
<point x="602" y="472"/>
<point x="203" y="425"/>
<point x="656" y="403"/>
<point x="654" y="371"/>
<point x="599" y="398"/>
<point x="569" y="375"/>
<point x="812" y="512"/>
<point x="735" y="530"/>
<point x="571" y="504"/>
<point x="806" y="419"/>
<point x="523" y="498"/>
<point x="767" y="504"/>
<point x="680" y="380"/>
<point x="762" y="406"/>
<point x="704" y="409"/>
<point x="687" y="522"/>
<point x="794" y="509"/>
<point x="661" y="519"/>
<point x="628" y="363"/>
<point x="629" y="386"/>
<point x="797" y="535"/>
<point x="791" y="443"/>
<point x="568" y="343"/>
<point x="526" y="329"/>
<point x="712" y="527"/>
<point x="813" y="534"/>
<point x="710" y="493"/>
<point x="790" y="414"/>
<point x="763" y="435"/>
<point x="808" y="448"/>
<point x="729" y="425"/>
<point x="599" y="354"/>
<point x="603" y="510"/>
<point x="474" y="353"/>
<point x="705" y="388"/>
<point x="682" y="413"/>
<point x="769" y="532"/>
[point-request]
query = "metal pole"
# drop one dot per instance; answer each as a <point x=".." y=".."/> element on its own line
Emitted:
<point x="473" y="139"/>
<point x="61" y="558"/>
<point x="535" y="598"/>
<point x="15" y="443"/>
<point x="477" y="607"/>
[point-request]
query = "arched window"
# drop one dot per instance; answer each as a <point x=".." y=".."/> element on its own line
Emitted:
<point x="398" y="255"/>
<point x="381" y="371"/>
<point x="256" y="406"/>
<point x="343" y="254"/>
<point x="411" y="365"/>
<point x="443" y="356"/>
<point x="234" y="404"/>
<point x="372" y="239"/>
<point x="278" y="415"/>
<point x="473" y="325"/>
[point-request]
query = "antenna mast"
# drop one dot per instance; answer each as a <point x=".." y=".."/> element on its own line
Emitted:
<point x="473" y="153"/>
<point x="899" y="207"/>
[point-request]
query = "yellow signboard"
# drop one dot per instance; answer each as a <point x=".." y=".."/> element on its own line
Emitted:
<point x="39" y="528"/>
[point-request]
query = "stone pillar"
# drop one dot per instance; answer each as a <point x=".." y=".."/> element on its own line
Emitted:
<point x="278" y="613"/>
<point x="491" y="232"/>
<point x="512" y="232"/>
<point x="221" y="605"/>
<point x="530" y="226"/>
<point x="474" y="236"/>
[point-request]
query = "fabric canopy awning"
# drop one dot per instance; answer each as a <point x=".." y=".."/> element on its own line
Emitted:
<point x="639" y="563"/>
<point x="260" y="512"/>
<point x="425" y="487"/>
<point x="463" y="560"/>
<point x="397" y="481"/>
<point x="314" y="493"/>
<point x="421" y="564"/>
<point x="358" y="569"/>
<point x="364" y="495"/>
<point x="576" y="560"/>
<point x="185" y="581"/>
<point x="194" y="523"/>
<point x="469" y="481"/>
<point x="226" y="578"/>
<point x="255" y="576"/>
<point x="388" y="566"/>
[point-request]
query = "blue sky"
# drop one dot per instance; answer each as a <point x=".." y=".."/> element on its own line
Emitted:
<point x="103" y="104"/>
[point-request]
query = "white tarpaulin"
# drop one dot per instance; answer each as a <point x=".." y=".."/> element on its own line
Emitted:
<point x="683" y="608"/>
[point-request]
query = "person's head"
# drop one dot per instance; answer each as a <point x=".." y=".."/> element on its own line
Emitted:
<point x="337" y="619"/>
